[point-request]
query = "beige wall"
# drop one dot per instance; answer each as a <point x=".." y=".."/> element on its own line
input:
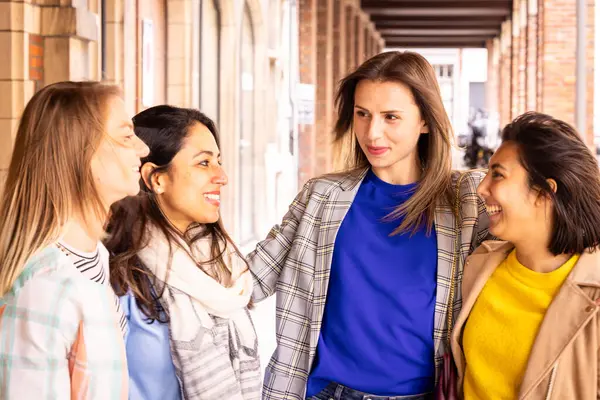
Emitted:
<point x="197" y="64"/>
<point x="44" y="45"/>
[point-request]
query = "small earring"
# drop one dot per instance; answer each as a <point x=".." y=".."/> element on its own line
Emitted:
<point x="159" y="190"/>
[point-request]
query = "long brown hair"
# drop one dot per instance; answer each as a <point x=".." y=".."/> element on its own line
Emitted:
<point x="50" y="177"/>
<point x="434" y="148"/>
<point x="164" y="130"/>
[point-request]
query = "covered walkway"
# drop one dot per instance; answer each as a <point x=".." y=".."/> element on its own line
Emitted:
<point x="529" y="47"/>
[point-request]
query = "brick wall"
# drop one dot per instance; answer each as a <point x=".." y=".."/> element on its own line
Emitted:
<point x="36" y="60"/>
<point x="541" y="62"/>
<point x="335" y="37"/>
<point x="324" y="104"/>
<point x="505" y="73"/>
<point x="515" y="60"/>
<point x="308" y="74"/>
<point x="532" y="55"/>
<point x="350" y="38"/>
<point x="522" y="63"/>
<point x="591" y="65"/>
<point x="540" y="54"/>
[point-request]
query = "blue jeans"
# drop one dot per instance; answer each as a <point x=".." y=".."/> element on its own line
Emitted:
<point x="335" y="391"/>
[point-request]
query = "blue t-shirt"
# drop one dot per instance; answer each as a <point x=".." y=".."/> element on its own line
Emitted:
<point x="151" y="371"/>
<point x="377" y="331"/>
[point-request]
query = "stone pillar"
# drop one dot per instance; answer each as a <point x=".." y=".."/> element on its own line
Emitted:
<point x="591" y="65"/>
<point x="114" y="42"/>
<point x="71" y="33"/>
<point x="360" y="37"/>
<point x="515" y="57"/>
<point x="44" y="45"/>
<point x="367" y="34"/>
<point x="19" y="29"/>
<point x="324" y="104"/>
<point x="179" y="54"/>
<point x="339" y="41"/>
<point x="307" y="24"/>
<point x="532" y="52"/>
<point x="350" y="37"/>
<point x="504" y="106"/>
<point x="521" y="19"/>
<point x="381" y="45"/>
<point x="492" y="84"/>
<point x="558" y="28"/>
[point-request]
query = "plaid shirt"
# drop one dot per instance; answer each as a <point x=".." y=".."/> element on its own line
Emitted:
<point x="294" y="261"/>
<point x="59" y="335"/>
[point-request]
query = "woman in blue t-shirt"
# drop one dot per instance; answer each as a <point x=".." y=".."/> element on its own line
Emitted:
<point x="362" y="262"/>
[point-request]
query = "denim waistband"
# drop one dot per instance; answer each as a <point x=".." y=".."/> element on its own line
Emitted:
<point x="335" y="391"/>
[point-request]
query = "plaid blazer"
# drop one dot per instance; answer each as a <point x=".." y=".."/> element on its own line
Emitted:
<point x="294" y="261"/>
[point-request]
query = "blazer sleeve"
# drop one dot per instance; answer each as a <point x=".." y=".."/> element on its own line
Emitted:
<point x="481" y="228"/>
<point x="267" y="260"/>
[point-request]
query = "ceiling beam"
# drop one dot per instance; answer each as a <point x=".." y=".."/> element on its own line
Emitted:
<point x="438" y="23"/>
<point x="480" y="18"/>
<point x="437" y="3"/>
<point x="440" y="11"/>
<point x="433" y="39"/>
<point x="432" y="45"/>
<point x="439" y="32"/>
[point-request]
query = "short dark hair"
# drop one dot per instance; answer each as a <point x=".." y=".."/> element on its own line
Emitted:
<point x="552" y="149"/>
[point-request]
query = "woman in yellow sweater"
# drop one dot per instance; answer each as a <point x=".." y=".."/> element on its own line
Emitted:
<point x="530" y="325"/>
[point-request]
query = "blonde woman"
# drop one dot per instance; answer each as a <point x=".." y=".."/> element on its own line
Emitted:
<point x="362" y="261"/>
<point x="61" y="327"/>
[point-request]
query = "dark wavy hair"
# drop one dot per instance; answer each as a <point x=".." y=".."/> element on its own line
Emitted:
<point x="164" y="129"/>
<point x="552" y="149"/>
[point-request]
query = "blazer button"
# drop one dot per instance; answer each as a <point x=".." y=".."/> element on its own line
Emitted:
<point x="589" y="308"/>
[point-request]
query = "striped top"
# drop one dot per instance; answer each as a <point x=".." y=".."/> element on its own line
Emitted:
<point x="59" y="335"/>
<point x="95" y="267"/>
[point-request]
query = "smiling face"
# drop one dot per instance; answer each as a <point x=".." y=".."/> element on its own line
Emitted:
<point x="517" y="212"/>
<point x="190" y="190"/>
<point x="388" y="124"/>
<point x="116" y="163"/>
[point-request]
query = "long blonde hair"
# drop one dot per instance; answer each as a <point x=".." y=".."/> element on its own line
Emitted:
<point x="49" y="179"/>
<point x="435" y="148"/>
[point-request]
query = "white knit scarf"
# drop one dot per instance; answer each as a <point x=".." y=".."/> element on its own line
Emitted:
<point x="204" y="318"/>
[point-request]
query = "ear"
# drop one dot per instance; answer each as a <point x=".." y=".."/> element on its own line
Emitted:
<point x="424" y="127"/>
<point x="544" y="197"/>
<point x="154" y="182"/>
<point x="552" y="183"/>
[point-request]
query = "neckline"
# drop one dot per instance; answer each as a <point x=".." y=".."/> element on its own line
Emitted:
<point x="539" y="280"/>
<point x="69" y="250"/>
<point x="390" y="188"/>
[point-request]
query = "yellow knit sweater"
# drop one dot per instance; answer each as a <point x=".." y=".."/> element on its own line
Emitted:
<point x="502" y="327"/>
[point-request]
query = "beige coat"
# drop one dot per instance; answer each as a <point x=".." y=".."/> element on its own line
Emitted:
<point x="563" y="363"/>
